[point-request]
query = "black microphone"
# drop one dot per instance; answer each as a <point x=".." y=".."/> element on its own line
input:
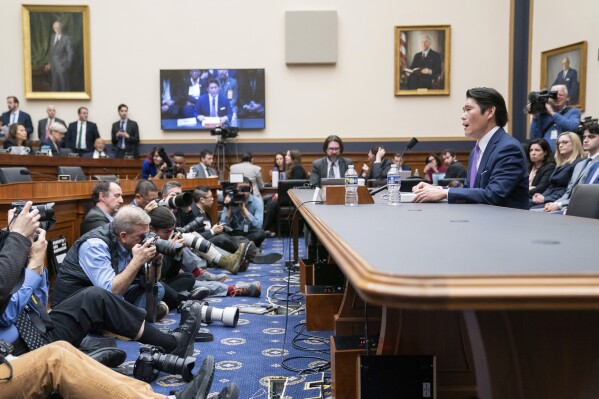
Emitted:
<point x="411" y="144"/>
<point x="27" y="172"/>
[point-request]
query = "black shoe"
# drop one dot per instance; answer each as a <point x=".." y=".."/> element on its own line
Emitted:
<point x="186" y="332"/>
<point x="268" y="259"/>
<point x="199" y="387"/>
<point x="231" y="391"/>
<point x="109" y="357"/>
<point x="197" y="294"/>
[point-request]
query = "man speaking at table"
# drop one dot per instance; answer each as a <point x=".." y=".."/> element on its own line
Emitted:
<point x="497" y="166"/>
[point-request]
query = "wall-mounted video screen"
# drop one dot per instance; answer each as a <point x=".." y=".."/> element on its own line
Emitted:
<point x="196" y="99"/>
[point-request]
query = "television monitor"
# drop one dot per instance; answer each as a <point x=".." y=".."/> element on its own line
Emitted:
<point x="202" y="99"/>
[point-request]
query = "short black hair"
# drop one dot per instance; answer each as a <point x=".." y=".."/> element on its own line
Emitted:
<point x="593" y="128"/>
<point x="121" y="106"/>
<point x="448" y="150"/>
<point x="246" y="157"/>
<point x="487" y="97"/>
<point x="101" y="188"/>
<point x="204" y="153"/>
<point x="200" y="192"/>
<point x="145" y="186"/>
<point x="80" y="108"/>
<point x="179" y="154"/>
<point x="168" y="185"/>
<point x="210" y="81"/>
<point x="162" y="218"/>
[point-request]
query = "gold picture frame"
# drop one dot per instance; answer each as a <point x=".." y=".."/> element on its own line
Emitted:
<point x="56" y="52"/>
<point x="417" y="73"/>
<point x="552" y="66"/>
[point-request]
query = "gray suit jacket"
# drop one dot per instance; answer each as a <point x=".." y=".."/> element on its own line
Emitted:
<point x="94" y="218"/>
<point x="577" y="177"/>
<point x="320" y="166"/>
<point x="252" y="172"/>
<point x="200" y="171"/>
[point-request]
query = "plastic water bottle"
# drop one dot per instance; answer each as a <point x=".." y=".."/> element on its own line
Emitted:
<point x="393" y="186"/>
<point x="351" y="186"/>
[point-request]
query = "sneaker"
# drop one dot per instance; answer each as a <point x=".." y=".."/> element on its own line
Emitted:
<point x="269" y="233"/>
<point x="161" y="311"/>
<point x="231" y="391"/>
<point x="268" y="259"/>
<point x="186" y="332"/>
<point x="199" y="387"/>
<point x="247" y="289"/>
<point x="207" y="276"/>
<point x="232" y="262"/>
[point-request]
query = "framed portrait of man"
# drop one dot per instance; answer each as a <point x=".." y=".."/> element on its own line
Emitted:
<point x="566" y="66"/>
<point x="56" y="52"/>
<point x="422" y="60"/>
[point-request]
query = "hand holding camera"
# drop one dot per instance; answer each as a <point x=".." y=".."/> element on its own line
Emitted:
<point x="143" y="253"/>
<point x="26" y="222"/>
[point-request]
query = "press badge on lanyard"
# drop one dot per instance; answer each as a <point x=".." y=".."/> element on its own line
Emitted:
<point x="553" y="134"/>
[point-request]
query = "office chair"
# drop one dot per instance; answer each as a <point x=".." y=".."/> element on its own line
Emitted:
<point x="75" y="172"/>
<point x="584" y="201"/>
<point x="452" y="182"/>
<point x="284" y="206"/>
<point x="13" y="175"/>
<point x="105" y="177"/>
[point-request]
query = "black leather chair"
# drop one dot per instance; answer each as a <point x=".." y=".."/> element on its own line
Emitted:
<point x="452" y="182"/>
<point x="13" y="175"/>
<point x="75" y="172"/>
<point x="408" y="184"/>
<point x="584" y="201"/>
<point x="285" y="207"/>
<point x="105" y="177"/>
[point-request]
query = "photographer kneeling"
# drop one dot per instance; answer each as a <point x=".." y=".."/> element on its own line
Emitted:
<point x="244" y="213"/>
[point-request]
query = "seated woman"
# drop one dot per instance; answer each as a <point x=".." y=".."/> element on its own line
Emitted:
<point x="433" y="165"/>
<point x="295" y="170"/>
<point x="17" y="137"/>
<point x="568" y="153"/>
<point x="540" y="166"/>
<point x="279" y="166"/>
<point x="57" y="133"/>
<point x="153" y="165"/>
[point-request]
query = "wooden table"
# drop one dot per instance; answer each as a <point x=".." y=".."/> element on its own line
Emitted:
<point x="506" y="299"/>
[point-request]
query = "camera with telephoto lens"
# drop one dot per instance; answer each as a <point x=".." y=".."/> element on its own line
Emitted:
<point x="196" y="224"/>
<point x="229" y="316"/>
<point x="163" y="247"/>
<point x="46" y="213"/>
<point x="236" y="194"/>
<point x="181" y="200"/>
<point x="152" y="360"/>
<point x="538" y="99"/>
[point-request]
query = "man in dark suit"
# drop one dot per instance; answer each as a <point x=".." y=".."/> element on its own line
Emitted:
<point x="15" y="115"/>
<point x="125" y="134"/>
<point x="569" y="78"/>
<point x="82" y="134"/>
<point x="498" y="169"/>
<point x="213" y="104"/>
<point x="331" y="166"/>
<point x="60" y="59"/>
<point x="455" y="169"/>
<point x="108" y="198"/>
<point x="43" y="126"/>
<point x="426" y="65"/>
<point x="251" y="93"/>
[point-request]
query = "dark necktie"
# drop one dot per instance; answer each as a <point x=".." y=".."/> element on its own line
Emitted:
<point x="332" y="171"/>
<point x="122" y="140"/>
<point x="80" y="137"/>
<point x="474" y="166"/>
<point x="213" y="110"/>
<point x="28" y="332"/>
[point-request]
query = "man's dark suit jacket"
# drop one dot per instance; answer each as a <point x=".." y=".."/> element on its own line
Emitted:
<point x="432" y="62"/>
<point x="94" y="218"/>
<point x="320" y="169"/>
<point x="202" y="106"/>
<point x="571" y="83"/>
<point x="23" y="118"/>
<point x="502" y="176"/>
<point x="42" y="125"/>
<point x="91" y="134"/>
<point x="130" y="143"/>
<point x="379" y="170"/>
<point x="455" y="171"/>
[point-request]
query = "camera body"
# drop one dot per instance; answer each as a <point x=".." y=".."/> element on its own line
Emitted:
<point x="46" y="213"/>
<point x="163" y="247"/>
<point x="197" y="224"/>
<point x="538" y="99"/>
<point x="225" y="132"/>
<point x="152" y="360"/>
<point x="5" y="348"/>
<point x="585" y="124"/>
<point x="237" y="194"/>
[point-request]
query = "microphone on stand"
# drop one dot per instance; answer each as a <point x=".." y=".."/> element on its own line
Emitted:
<point x="411" y="144"/>
<point x="27" y="172"/>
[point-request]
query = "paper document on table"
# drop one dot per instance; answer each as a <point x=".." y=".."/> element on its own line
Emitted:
<point x="407" y="197"/>
<point x="187" y="122"/>
<point x="211" y="120"/>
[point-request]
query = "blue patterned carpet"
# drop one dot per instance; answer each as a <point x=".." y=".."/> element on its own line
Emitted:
<point x="261" y="345"/>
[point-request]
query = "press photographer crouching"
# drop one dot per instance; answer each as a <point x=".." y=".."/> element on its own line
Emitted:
<point x="59" y="366"/>
<point x="244" y="213"/>
<point x="552" y="116"/>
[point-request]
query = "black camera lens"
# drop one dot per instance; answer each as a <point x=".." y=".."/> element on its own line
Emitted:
<point x="152" y="360"/>
<point x="196" y="224"/>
